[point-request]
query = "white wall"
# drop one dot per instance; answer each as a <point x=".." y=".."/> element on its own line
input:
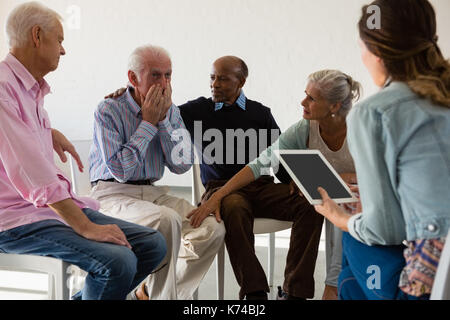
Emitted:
<point x="283" y="41"/>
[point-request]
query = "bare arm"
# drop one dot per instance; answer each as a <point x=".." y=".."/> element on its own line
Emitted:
<point x="62" y="145"/>
<point x="212" y="206"/>
<point x="81" y="224"/>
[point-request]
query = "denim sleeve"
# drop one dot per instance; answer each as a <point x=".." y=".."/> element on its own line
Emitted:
<point x="381" y="222"/>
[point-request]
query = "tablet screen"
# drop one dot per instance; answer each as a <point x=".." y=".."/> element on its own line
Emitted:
<point x="312" y="173"/>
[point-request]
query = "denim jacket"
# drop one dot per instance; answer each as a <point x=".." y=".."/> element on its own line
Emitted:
<point x="401" y="147"/>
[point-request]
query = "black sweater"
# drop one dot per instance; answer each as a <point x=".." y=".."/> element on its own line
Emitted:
<point x="218" y="144"/>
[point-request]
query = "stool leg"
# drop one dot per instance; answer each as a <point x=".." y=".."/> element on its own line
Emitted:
<point x="61" y="277"/>
<point x="51" y="286"/>
<point x="196" y="294"/>
<point x="220" y="274"/>
<point x="271" y="257"/>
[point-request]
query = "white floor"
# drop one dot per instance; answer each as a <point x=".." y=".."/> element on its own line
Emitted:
<point x="27" y="286"/>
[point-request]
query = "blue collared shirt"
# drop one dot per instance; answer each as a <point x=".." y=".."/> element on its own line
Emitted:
<point x="241" y="102"/>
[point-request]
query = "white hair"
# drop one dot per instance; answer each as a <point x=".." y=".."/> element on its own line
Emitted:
<point x="141" y="56"/>
<point x="24" y="17"/>
<point x="337" y="87"/>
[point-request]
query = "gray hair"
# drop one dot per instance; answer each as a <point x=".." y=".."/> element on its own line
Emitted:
<point x="142" y="55"/>
<point x="24" y="17"/>
<point x="337" y="87"/>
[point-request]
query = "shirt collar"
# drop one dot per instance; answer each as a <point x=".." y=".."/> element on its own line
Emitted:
<point x="241" y="102"/>
<point x="134" y="107"/>
<point x="25" y="76"/>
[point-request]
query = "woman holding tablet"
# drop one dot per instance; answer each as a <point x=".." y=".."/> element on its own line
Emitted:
<point x="399" y="139"/>
<point x="329" y="97"/>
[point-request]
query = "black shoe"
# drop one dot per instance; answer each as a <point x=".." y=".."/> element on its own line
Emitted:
<point x="285" y="296"/>
<point x="258" y="295"/>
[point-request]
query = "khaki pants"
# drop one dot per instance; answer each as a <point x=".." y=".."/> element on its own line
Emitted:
<point x="190" y="251"/>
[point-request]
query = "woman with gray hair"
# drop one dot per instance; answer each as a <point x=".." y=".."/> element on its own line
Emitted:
<point x="329" y="97"/>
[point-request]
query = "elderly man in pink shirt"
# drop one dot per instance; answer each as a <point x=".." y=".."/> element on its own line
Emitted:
<point x="39" y="214"/>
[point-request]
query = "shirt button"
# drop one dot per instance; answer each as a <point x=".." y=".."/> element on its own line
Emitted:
<point x="431" y="228"/>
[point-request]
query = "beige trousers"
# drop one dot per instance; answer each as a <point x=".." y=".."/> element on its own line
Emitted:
<point x="190" y="252"/>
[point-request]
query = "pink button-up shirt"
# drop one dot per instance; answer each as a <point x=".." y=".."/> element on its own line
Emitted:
<point x="29" y="178"/>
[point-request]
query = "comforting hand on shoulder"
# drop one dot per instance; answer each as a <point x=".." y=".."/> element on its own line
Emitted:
<point x="116" y="93"/>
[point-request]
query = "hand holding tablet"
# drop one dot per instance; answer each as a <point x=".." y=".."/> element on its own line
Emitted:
<point x="310" y="170"/>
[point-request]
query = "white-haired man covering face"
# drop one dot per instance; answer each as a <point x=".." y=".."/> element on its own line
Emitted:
<point x="39" y="214"/>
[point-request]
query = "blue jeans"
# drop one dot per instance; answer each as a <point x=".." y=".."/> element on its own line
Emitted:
<point x="113" y="270"/>
<point x="370" y="272"/>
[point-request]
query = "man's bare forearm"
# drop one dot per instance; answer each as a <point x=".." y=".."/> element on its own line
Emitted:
<point x="81" y="224"/>
<point x="72" y="214"/>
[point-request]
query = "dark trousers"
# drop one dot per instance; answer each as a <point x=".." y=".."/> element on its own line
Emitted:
<point x="265" y="199"/>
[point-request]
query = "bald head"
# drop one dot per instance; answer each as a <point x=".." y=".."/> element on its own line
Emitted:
<point x="228" y="76"/>
<point x="233" y="64"/>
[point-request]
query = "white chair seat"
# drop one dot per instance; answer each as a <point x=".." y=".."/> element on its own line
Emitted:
<point x="263" y="225"/>
<point x="57" y="270"/>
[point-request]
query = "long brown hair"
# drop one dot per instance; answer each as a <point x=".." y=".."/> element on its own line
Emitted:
<point x="407" y="44"/>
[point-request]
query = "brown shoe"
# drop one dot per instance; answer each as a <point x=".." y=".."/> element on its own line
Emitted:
<point x="141" y="293"/>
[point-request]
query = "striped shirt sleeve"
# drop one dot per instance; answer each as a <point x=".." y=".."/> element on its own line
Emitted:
<point x="122" y="160"/>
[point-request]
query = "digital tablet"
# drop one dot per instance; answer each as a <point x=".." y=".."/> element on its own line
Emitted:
<point x="310" y="170"/>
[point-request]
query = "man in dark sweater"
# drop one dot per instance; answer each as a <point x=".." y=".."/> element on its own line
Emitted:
<point x="239" y="130"/>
